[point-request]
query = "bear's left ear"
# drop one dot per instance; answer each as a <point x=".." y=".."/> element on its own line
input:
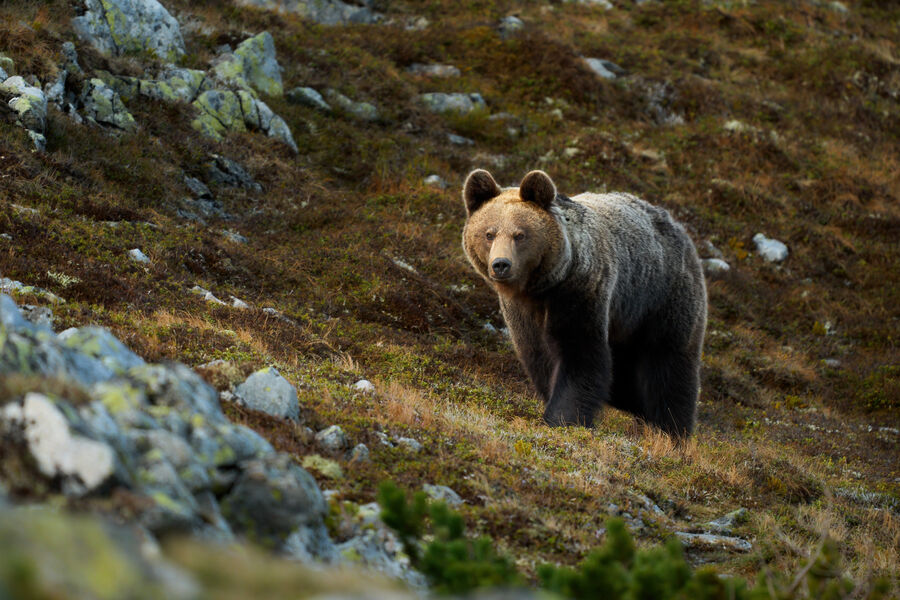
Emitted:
<point x="538" y="188"/>
<point x="479" y="188"/>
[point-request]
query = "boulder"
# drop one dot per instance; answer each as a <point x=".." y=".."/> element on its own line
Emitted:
<point x="267" y="391"/>
<point x="324" y="12"/>
<point x="127" y="26"/>
<point x="271" y="498"/>
<point x="28" y="102"/>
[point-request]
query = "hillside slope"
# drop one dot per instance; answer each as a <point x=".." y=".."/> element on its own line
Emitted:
<point x="740" y="118"/>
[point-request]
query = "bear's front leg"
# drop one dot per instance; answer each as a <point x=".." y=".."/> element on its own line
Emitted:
<point x="526" y="325"/>
<point x="581" y="380"/>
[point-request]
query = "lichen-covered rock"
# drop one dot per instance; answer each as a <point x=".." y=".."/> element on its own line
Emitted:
<point x="324" y="12"/>
<point x="81" y="463"/>
<point x="442" y="493"/>
<point x="175" y="84"/>
<point x="252" y="65"/>
<point x="127" y="26"/>
<point x="99" y="343"/>
<point x="307" y="96"/>
<point x="48" y="554"/>
<point x="103" y="105"/>
<point x="271" y="498"/>
<point x="457" y="102"/>
<point x="28" y="102"/>
<point x="364" y="111"/>
<point x="323" y="466"/>
<point x="220" y="112"/>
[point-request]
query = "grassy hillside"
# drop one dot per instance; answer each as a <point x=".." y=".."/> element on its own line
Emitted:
<point x="363" y="262"/>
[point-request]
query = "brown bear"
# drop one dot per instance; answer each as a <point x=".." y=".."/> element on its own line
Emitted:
<point x="603" y="295"/>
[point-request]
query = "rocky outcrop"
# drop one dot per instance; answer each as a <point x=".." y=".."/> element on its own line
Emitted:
<point x="130" y="26"/>
<point x="29" y="104"/>
<point x="252" y="66"/>
<point x="223" y="111"/>
<point x="102" y="105"/>
<point x="324" y="12"/>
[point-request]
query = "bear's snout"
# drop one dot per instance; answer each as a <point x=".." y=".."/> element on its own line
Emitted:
<point x="501" y="268"/>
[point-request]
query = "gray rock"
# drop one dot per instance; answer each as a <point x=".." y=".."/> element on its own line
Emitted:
<point x="252" y="65"/>
<point x="770" y="249"/>
<point x="436" y="181"/>
<point x="708" y="249"/>
<point x="332" y="439"/>
<point x="359" y="454"/>
<point x="363" y="111"/>
<point x="365" y="386"/>
<point x="206" y="295"/>
<point x="269" y="392"/>
<point x="307" y="96"/>
<point x="727" y="523"/>
<point x="224" y="171"/>
<point x="234" y="236"/>
<point x="103" y="105"/>
<point x="379" y="549"/>
<point x="604" y="68"/>
<point x="409" y="443"/>
<point x="459" y="140"/>
<point x="510" y="26"/>
<point x="442" y="493"/>
<point x="82" y="464"/>
<point x="136" y="255"/>
<point x="223" y="111"/>
<point x="715" y="267"/>
<point x="101" y="344"/>
<point x="172" y="84"/>
<point x="709" y="541"/>
<point x="832" y="363"/>
<point x="198" y="188"/>
<point x="460" y="103"/>
<point x="308" y="544"/>
<point x="11" y="319"/>
<point x="176" y="386"/>
<point x="434" y="70"/>
<point x="324" y="12"/>
<point x="272" y="498"/>
<point x="604" y="4"/>
<point x="28" y="102"/>
<point x="128" y="26"/>
<point x="38" y="315"/>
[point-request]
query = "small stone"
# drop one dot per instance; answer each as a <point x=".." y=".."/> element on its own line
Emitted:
<point x="433" y="70"/>
<point x="383" y="439"/>
<point x="365" y="386"/>
<point x="363" y="111"/>
<point x="726" y="523"/>
<point x="709" y="250"/>
<point x="510" y="25"/>
<point x="137" y="256"/>
<point x="442" y="493"/>
<point x="206" y="295"/>
<point x="832" y="363"/>
<point x="233" y="236"/>
<point x="769" y="248"/>
<point x="359" y="454"/>
<point x="719" y="542"/>
<point x="604" y="68"/>
<point x="332" y="439"/>
<point x="838" y="7"/>
<point x="457" y="102"/>
<point x="715" y="267"/>
<point x="409" y="443"/>
<point x="307" y="96"/>
<point x="435" y="181"/>
<point x="238" y="303"/>
<point x="267" y="391"/>
<point x="459" y="140"/>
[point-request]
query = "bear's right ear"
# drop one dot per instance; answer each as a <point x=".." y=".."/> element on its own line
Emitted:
<point x="479" y="188"/>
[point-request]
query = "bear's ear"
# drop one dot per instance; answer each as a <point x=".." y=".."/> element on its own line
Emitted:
<point x="479" y="188"/>
<point x="538" y="188"/>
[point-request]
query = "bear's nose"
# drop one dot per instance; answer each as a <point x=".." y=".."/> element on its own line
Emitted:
<point x="501" y="268"/>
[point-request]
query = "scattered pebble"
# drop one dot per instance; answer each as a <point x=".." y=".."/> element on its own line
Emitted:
<point x="770" y="249"/>
<point x="138" y="256"/>
<point x="365" y="386"/>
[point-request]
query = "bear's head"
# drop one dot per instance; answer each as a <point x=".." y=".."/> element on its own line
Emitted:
<point x="512" y="236"/>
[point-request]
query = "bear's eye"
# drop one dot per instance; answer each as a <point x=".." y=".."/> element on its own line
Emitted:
<point x="519" y="236"/>
<point x="490" y="236"/>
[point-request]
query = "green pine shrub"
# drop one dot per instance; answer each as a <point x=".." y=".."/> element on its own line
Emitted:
<point x="617" y="570"/>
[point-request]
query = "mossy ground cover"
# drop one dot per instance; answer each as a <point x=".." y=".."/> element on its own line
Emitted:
<point x="807" y="447"/>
